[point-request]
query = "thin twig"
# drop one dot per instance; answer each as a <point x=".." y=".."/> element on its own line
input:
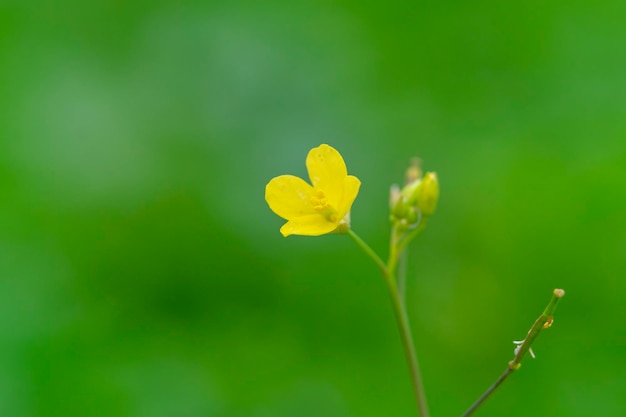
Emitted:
<point x="543" y="322"/>
<point x="409" y="347"/>
<point x="402" y="263"/>
<point x="402" y="318"/>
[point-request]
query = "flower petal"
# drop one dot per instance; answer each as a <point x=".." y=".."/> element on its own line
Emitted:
<point x="350" y="191"/>
<point x="290" y="197"/>
<point x="327" y="171"/>
<point x="311" y="225"/>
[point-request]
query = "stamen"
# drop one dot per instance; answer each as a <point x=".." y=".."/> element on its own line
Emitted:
<point x="319" y="201"/>
<point x="320" y="204"/>
<point x="518" y="344"/>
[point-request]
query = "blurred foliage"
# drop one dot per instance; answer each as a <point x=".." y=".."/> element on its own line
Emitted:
<point x="142" y="274"/>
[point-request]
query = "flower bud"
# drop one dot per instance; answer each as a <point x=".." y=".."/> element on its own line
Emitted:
<point x="417" y="198"/>
<point x="414" y="171"/>
<point x="411" y="192"/>
<point x="394" y="195"/>
<point x="429" y="194"/>
<point x="411" y="215"/>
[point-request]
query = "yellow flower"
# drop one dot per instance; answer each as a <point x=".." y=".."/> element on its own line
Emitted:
<point x="313" y="210"/>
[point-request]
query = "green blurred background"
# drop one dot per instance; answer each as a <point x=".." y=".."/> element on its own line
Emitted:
<point x="142" y="274"/>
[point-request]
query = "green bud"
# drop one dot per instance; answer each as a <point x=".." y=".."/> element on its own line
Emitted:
<point x="399" y="207"/>
<point x="417" y="198"/>
<point x="414" y="171"/>
<point x="401" y="226"/>
<point x="411" y="192"/>
<point x="394" y="195"/>
<point x="411" y="215"/>
<point x="429" y="194"/>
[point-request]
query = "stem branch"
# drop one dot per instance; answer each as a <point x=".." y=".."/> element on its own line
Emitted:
<point x="369" y="251"/>
<point x="409" y="347"/>
<point x="543" y="322"/>
<point x="399" y="309"/>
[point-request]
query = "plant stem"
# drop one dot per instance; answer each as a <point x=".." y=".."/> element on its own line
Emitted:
<point x="412" y="235"/>
<point x="397" y="253"/>
<point x="393" y="252"/>
<point x="401" y="317"/>
<point x="487" y="393"/>
<point x="369" y="251"/>
<point x="543" y="322"/>
<point x="409" y="347"/>
<point x="402" y="262"/>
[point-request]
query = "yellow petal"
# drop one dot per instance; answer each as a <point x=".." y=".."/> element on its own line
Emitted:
<point x="350" y="191"/>
<point x="290" y="197"/>
<point x="327" y="171"/>
<point x="311" y="225"/>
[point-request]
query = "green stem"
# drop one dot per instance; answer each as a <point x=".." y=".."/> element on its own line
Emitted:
<point x="487" y="393"/>
<point x="402" y="262"/>
<point x="401" y="317"/>
<point x="397" y="246"/>
<point x="409" y="347"/>
<point x="369" y="251"/>
<point x="393" y="251"/>
<point x="543" y="322"/>
<point x="412" y="235"/>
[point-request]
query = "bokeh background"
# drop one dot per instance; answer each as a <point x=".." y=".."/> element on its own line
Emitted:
<point x="142" y="274"/>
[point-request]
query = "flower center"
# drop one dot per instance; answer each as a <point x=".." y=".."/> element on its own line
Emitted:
<point x="321" y="205"/>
